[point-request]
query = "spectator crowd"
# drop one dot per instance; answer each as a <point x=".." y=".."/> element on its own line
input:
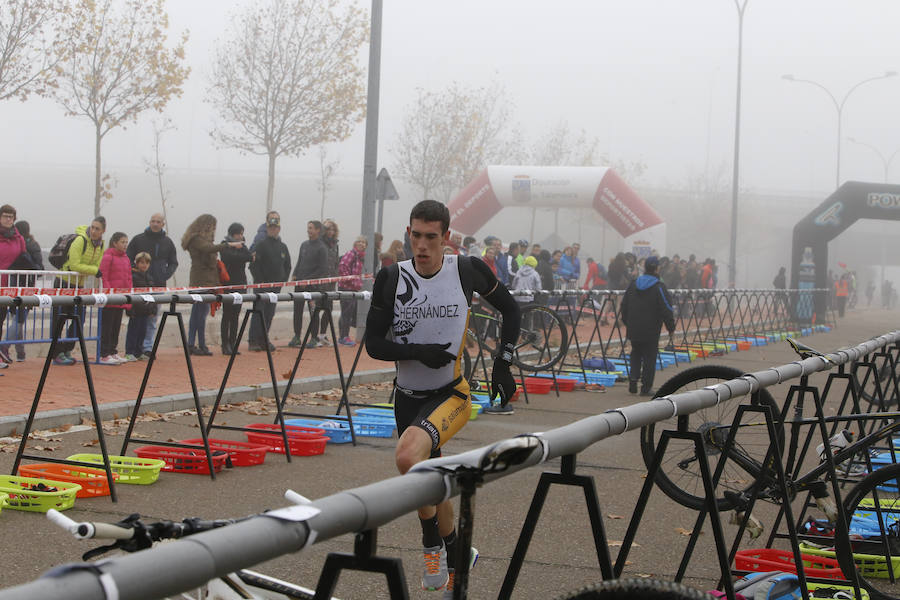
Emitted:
<point x="150" y="259"/>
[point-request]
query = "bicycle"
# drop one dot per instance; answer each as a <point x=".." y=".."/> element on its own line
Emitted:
<point x="872" y="504"/>
<point x="132" y="535"/>
<point x="543" y="337"/>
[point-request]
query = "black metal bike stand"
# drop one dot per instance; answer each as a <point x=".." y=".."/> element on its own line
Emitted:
<point x="774" y="458"/>
<point x="187" y="359"/>
<point x="319" y="311"/>
<point x="468" y="481"/>
<point x="712" y="507"/>
<point x="210" y="423"/>
<point x="20" y="453"/>
<point x="566" y="476"/>
<point x="362" y="559"/>
<point x="795" y="462"/>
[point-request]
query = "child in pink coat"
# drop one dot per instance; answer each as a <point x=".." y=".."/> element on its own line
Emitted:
<point x="115" y="267"/>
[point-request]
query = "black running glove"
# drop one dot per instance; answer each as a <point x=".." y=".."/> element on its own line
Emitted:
<point x="434" y="356"/>
<point x="502" y="382"/>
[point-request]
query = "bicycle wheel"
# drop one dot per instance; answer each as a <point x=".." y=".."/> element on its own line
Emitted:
<point x="636" y="589"/>
<point x="873" y="507"/>
<point x="869" y="385"/>
<point x="543" y="339"/>
<point x="679" y="474"/>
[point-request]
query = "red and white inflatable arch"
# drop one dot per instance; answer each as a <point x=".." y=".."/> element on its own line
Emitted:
<point x="498" y="187"/>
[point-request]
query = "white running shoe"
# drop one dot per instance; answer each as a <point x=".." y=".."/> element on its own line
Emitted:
<point x="109" y="360"/>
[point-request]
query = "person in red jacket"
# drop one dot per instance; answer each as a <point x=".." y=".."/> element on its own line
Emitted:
<point x="116" y="268"/>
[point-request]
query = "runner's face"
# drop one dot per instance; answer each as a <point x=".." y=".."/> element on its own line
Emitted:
<point x="427" y="242"/>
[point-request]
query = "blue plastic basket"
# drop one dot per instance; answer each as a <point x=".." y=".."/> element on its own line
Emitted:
<point x="370" y="427"/>
<point x="375" y="413"/>
<point x="338" y="432"/>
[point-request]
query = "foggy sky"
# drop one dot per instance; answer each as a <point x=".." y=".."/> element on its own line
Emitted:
<point x="653" y="79"/>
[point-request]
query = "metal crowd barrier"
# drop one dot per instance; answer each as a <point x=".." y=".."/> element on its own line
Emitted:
<point x="27" y="325"/>
<point x="191" y="562"/>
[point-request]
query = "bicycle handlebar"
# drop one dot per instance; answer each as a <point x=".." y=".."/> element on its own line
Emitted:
<point x="87" y="530"/>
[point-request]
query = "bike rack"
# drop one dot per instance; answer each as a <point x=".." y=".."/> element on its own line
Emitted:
<point x="255" y="310"/>
<point x="344" y="403"/>
<point x="187" y="358"/>
<point x="98" y="422"/>
<point x="712" y="508"/>
<point x="362" y="559"/>
<point x="794" y="464"/>
<point x="566" y="476"/>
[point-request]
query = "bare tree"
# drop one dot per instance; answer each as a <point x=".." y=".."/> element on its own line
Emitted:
<point x="116" y="65"/>
<point x="447" y="137"/>
<point x="560" y="147"/>
<point x="29" y="51"/>
<point x="288" y="77"/>
<point x="156" y="166"/>
<point x="326" y="170"/>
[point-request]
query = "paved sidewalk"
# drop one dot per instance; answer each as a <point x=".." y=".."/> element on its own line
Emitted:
<point x="65" y="398"/>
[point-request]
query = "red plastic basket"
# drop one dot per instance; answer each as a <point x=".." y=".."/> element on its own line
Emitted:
<point x="302" y="441"/>
<point x="538" y="385"/>
<point x="93" y="482"/>
<point x="769" y="559"/>
<point x="184" y="460"/>
<point x="243" y="454"/>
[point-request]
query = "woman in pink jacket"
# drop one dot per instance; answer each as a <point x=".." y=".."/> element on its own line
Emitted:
<point x="116" y="269"/>
<point x="12" y="245"/>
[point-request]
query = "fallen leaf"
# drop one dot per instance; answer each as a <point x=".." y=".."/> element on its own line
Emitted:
<point x="615" y="516"/>
<point x="684" y="531"/>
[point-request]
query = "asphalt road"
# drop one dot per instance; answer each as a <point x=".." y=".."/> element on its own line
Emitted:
<point x="561" y="556"/>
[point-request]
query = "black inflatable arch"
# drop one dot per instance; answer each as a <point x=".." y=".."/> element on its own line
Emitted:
<point x="852" y="201"/>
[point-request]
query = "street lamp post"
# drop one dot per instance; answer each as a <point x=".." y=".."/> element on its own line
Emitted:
<point x="839" y="106"/>
<point x="885" y="162"/>
<point x="741" y="6"/>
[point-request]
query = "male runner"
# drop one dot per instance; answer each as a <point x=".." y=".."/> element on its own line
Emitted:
<point x="424" y="304"/>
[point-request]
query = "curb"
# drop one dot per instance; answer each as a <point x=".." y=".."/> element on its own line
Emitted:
<point x="9" y="425"/>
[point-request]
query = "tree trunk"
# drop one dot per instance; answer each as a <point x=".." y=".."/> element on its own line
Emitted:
<point x="270" y="192"/>
<point x="97" y="184"/>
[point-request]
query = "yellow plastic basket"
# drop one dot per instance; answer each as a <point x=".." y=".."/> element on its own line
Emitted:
<point x="870" y="565"/>
<point x="4" y="499"/>
<point x="832" y="589"/>
<point x="38" y="495"/>
<point x="131" y="469"/>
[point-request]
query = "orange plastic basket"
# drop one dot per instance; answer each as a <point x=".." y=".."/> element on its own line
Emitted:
<point x="769" y="559"/>
<point x="302" y="441"/>
<point x="243" y="454"/>
<point x="93" y="482"/>
<point x="184" y="460"/>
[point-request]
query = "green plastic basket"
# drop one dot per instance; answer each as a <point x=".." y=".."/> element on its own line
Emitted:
<point x="4" y="499"/>
<point x="870" y="565"/>
<point x="131" y="469"/>
<point x="23" y="495"/>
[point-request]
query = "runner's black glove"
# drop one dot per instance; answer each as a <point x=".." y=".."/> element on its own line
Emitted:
<point x="432" y="355"/>
<point x="502" y="382"/>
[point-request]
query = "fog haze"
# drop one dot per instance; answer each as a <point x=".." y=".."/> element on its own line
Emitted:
<point x="654" y="81"/>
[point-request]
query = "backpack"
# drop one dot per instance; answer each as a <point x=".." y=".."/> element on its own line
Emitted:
<point x="774" y="585"/>
<point x="59" y="253"/>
